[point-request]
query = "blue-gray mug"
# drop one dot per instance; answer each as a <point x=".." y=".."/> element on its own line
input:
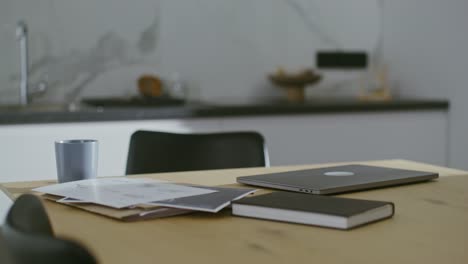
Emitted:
<point x="76" y="159"/>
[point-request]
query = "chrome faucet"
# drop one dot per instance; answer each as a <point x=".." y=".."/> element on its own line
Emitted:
<point x="41" y="87"/>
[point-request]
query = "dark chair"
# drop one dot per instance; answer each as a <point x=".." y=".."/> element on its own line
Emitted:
<point x="151" y="152"/>
<point x="27" y="237"/>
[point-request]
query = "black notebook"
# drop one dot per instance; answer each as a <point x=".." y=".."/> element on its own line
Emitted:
<point x="328" y="211"/>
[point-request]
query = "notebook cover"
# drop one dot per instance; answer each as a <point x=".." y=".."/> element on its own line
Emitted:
<point x="344" y="207"/>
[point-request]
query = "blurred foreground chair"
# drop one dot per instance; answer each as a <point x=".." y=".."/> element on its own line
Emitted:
<point x="151" y="151"/>
<point x="27" y="237"/>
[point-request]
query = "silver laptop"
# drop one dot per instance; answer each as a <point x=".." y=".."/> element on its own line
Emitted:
<point x="337" y="179"/>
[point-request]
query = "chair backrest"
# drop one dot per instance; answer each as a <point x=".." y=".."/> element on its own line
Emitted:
<point x="151" y="151"/>
<point x="27" y="237"/>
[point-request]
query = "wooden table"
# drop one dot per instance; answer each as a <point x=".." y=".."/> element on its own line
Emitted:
<point x="430" y="226"/>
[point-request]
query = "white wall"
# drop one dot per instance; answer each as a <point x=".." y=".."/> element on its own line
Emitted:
<point x="426" y="44"/>
<point x="223" y="49"/>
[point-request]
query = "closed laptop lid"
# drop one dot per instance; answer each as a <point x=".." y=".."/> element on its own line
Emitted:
<point x="337" y="179"/>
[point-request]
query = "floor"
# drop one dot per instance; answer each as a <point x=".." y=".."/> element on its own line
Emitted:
<point x="5" y="203"/>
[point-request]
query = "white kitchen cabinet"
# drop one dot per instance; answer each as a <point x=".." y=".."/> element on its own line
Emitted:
<point x="305" y="139"/>
<point x="27" y="151"/>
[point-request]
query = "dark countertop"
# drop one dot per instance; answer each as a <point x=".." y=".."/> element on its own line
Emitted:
<point x="200" y="110"/>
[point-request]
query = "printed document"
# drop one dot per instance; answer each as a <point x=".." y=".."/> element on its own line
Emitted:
<point x="121" y="192"/>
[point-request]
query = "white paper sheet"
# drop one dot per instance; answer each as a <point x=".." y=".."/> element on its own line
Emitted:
<point x="121" y="192"/>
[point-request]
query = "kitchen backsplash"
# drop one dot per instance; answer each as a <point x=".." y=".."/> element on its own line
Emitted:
<point x="218" y="49"/>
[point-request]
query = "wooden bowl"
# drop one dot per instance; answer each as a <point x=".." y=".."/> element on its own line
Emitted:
<point x="303" y="78"/>
<point x="295" y="83"/>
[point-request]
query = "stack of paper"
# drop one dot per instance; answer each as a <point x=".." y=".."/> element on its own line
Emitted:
<point x="120" y="192"/>
<point x="128" y="198"/>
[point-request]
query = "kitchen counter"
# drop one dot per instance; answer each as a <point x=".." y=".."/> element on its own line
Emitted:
<point x="203" y="110"/>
